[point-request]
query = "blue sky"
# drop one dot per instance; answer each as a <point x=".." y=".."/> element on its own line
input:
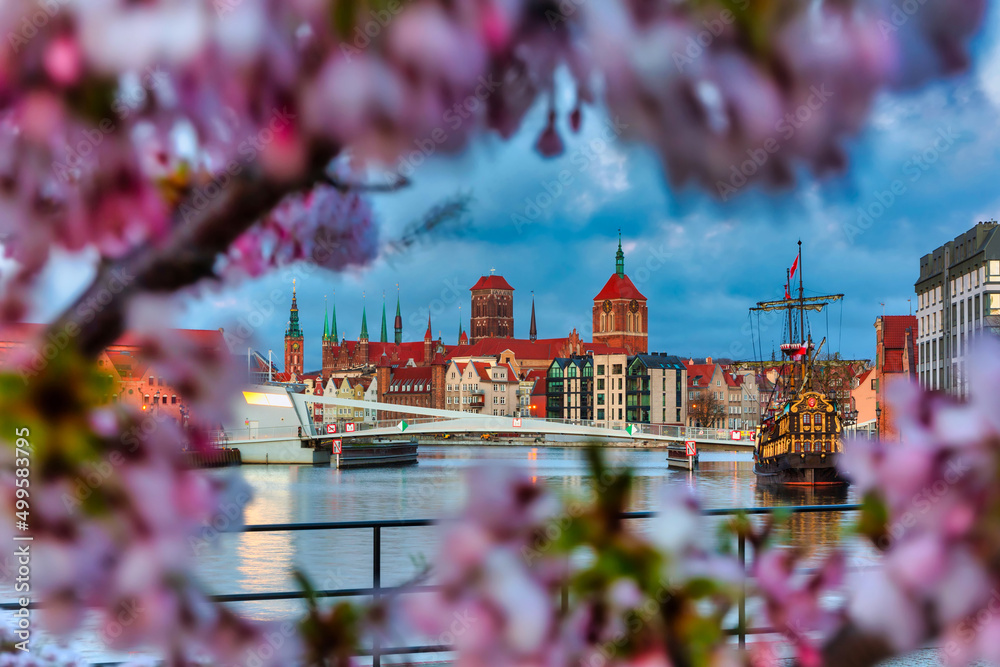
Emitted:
<point x="700" y="263"/>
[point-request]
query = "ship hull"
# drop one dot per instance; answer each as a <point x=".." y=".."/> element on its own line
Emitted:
<point x="811" y="469"/>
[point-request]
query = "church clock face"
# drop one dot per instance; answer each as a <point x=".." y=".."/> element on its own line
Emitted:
<point x="633" y="306"/>
<point x="295" y="347"/>
<point x="607" y="306"/>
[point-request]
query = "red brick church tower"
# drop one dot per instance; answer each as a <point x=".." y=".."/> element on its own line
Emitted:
<point x="293" y="340"/>
<point x="620" y="315"/>
<point x="492" y="309"/>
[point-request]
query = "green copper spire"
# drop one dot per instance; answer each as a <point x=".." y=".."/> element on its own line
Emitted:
<point x="293" y="330"/>
<point x="385" y="331"/>
<point x="326" y="322"/>
<point x="333" y="329"/>
<point x="364" y="324"/>
<point x="620" y="258"/>
<point x="398" y="324"/>
<point x="459" y="325"/>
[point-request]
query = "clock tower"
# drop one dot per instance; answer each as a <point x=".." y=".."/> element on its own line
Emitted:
<point x="620" y="315"/>
<point x="293" y="340"/>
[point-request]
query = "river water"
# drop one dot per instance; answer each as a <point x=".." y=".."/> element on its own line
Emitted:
<point x="263" y="562"/>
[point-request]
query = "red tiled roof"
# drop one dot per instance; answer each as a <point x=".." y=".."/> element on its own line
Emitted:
<point x="894" y="330"/>
<point x="548" y="348"/>
<point x="412" y="373"/>
<point x="701" y="372"/>
<point x="482" y="368"/>
<point x="491" y="282"/>
<point x="535" y="374"/>
<point x="864" y="376"/>
<point x="415" y="375"/>
<point x="619" y="288"/>
<point x="893" y="361"/>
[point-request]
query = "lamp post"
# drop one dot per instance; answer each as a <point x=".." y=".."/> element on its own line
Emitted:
<point x="878" y="420"/>
<point x="156" y="402"/>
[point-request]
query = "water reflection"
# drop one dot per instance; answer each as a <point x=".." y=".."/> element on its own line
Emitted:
<point x="816" y="532"/>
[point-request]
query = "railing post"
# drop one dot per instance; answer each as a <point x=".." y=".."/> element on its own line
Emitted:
<point x="742" y="547"/>
<point x="376" y="584"/>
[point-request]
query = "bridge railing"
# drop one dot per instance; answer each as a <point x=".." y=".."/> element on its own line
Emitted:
<point x="504" y="424"/>
<point x="222" y="437"/>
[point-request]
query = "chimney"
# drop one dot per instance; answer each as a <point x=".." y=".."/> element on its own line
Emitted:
<point x="708" y="360"/>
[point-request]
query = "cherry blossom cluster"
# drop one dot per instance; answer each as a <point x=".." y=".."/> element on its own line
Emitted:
<point x="121" y="122"/>
<point x="931" y="503"/>
<point x="117" y="515"/>
<point x="632" y="600"/>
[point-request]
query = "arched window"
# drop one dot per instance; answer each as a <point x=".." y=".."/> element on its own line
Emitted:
<point x="611" y="320"/>
<point x="604" y="322"/>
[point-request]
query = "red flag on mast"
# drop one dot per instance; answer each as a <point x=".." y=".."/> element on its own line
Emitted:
<point x="795" y="265"/>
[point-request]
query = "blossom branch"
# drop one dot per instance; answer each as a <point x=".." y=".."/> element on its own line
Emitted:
<point x="187" y="256"/>
<point x="392" y="184"/>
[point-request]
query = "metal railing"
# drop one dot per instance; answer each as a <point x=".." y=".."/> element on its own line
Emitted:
<point x="377" y="590"/>
<point x="502" y="424"/>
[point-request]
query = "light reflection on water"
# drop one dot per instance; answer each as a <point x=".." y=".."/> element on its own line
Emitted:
<point x="263" y="562"/>
<point x="258" y="562"/>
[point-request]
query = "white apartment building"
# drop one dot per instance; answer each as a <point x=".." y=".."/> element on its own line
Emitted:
<point x="958" y="297"/>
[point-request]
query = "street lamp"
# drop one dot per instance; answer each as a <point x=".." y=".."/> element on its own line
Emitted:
<point x="156" y="402"/>
<point x="878" y="419"/>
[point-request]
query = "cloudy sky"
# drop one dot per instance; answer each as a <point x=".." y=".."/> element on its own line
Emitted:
<point x="700" y="263"/>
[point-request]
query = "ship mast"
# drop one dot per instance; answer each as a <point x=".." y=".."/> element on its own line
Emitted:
<point x="799" y="352"/>
<point x="802" y="320"/>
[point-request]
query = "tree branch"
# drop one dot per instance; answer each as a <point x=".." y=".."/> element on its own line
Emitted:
<point x="97" y="318"/>
<point x="391" y="184"/>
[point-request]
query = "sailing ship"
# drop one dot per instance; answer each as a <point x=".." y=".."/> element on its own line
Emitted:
<point x="799" y="439"/>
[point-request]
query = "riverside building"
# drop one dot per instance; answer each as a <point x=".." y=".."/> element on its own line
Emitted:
<point x="958" y="298"/>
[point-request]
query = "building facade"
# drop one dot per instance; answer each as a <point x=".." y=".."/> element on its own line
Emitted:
<point x="492" y="313"/>
<point x="655" y="390"/>
<point x="570" y="389"/>
<point x="895" y="359"/>
<point x="481" y="386"/>
<point x="958" y="298"/>
<point x="417" y="386"/>
<point x="610" y="371"/>
<point x="620" y="315"/>
<point x="708" y="394"/>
